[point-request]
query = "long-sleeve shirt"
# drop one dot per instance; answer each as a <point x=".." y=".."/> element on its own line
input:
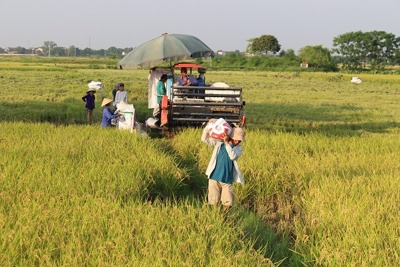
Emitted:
<point x="161" y="91"/>
<point x="193" y="81"/>
<point x="89" y="99"/>
<point x="121" y="96"/>
<point x="223" y="171"/>
<point x="106" y="118"/>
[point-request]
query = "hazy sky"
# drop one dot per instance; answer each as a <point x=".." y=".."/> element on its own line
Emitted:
<point x="221" y="24"/>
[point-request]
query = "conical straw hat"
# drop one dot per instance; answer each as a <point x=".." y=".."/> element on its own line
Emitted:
<point x="106" y="101"/>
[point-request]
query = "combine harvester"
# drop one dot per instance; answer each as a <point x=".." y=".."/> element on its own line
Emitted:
<point x="194" y="105"/>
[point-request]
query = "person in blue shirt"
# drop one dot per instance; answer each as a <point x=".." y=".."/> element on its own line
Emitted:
<point x="201" y="79"/>
<point x="89" y="98"/>
<point x="107" y="113"/>
<point x="223" y="170"/>
<point x="187" y="80"/>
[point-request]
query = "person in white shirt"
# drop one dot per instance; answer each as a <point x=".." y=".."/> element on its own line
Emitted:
<point x="121" y="95"/>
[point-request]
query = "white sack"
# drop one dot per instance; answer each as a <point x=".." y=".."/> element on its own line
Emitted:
<point x="95" y="85"/>
<point x="218" y="128"/>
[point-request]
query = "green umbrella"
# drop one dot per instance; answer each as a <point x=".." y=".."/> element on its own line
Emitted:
<point x="165" y="48"/>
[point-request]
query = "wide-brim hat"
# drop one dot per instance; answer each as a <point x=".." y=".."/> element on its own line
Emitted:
<point x="238" y="134"/>
<point x="91" y="90"/>
<point x="106" y="101"/>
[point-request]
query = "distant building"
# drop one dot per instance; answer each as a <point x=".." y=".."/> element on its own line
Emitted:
<point x="304" y="64"/>
<point x="221" y="53"/>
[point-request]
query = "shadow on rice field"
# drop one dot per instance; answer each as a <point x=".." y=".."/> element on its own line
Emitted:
<point x="69" y="111"/>
<point x="330" y="120"/>
<point x="196" y="186"/>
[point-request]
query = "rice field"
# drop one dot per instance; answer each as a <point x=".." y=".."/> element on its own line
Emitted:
<point x="321" y="163"/>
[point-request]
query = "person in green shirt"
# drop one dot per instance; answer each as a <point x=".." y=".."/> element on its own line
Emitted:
<point x="223" y="170"/>
<point x="161" y="91"/>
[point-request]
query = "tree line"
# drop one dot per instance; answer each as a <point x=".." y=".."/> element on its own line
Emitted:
<point x="354" y="51"/>
<point x="359" y="49"/>
<point x="50" y="48"/>
<point x="374" y="50"/>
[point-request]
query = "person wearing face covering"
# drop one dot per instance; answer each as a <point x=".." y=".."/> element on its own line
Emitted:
<point x="223" y="169"/>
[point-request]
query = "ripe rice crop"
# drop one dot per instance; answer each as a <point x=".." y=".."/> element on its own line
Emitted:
<point x="321" y="163"/>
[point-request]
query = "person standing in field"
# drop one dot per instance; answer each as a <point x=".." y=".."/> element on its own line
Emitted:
<point x="161" y="92"/>
<point x="108" y="115"/>
<point x="223" y="169"/>
<point x="89" y="98"/>
<point x="114" y="91"/>
<point x="121" y="95"/>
